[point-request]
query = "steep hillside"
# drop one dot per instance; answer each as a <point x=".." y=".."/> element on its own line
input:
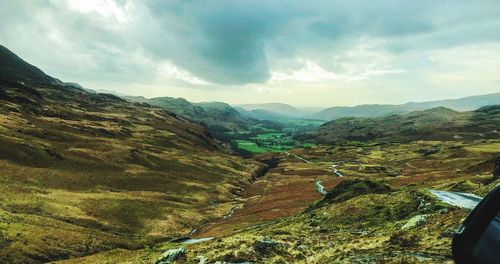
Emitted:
<point x="82" y="172"/>
<point x="14" y="68"/>
<point x="224" y="115"/>
<point x="463" y="104"/>
<point x="179" y="106"/>
<point x="437" y="123"/>
<point x="217" y="117"/>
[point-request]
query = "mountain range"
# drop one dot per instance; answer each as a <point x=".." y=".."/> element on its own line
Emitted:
<point x="284" y="112"/>
<point x="277" y="108"/>
<point x="376" y="110"/>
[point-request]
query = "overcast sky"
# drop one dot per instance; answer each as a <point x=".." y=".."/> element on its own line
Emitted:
<point x="306" y="53"/>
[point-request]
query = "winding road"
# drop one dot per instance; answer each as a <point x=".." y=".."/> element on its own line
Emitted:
<point x="463" y="200"/>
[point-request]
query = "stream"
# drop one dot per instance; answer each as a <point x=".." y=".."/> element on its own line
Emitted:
<point x="336" y="171"/>
<point x="320" y="187"/>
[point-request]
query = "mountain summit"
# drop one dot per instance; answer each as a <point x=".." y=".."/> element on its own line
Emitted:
<point x="13" y="68"/>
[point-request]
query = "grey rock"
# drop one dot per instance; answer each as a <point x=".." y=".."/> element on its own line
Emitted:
<point x="171" y="255"/>
<point x="414" y="222"/>
<point x="266" y="246"/>
<point x="303" y="248"/>
<point x="202" y="259"/>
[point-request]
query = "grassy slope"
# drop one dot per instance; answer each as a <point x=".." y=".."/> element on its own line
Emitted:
<point x="82" y="173"/>
<point x="218" y="117"/>
<point x="359" y="228"/>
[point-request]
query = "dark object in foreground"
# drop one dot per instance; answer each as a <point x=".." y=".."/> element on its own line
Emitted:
<point x="496" y="168"/>
<point x="478" y="238"/>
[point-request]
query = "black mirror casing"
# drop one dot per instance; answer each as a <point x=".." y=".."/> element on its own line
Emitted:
<point x="470" y="232"/>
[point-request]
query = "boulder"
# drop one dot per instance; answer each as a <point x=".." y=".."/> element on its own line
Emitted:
<point x="266" y="246"/>
<point x="414" y="222"/>
<point x="202" y="259"/>
<point x="303" y="248"/>
<point x="171" y="255"/>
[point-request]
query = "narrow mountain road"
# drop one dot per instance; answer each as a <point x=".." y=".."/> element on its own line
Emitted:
<point x="463" y="200"/>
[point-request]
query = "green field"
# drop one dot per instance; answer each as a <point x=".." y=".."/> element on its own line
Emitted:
<point x="270" y="142"/>
<point x="250" y="146"/>
<point x="271" y="137"/>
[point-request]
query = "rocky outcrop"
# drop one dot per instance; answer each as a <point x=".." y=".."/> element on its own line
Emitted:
<point x="414" y="222"/>
<point x="266" y="246"/>
<point x="171" y="255"/>
<point x="351" y="188"/>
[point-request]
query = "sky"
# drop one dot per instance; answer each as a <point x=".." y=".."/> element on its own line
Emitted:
<point x="305" y="53"/>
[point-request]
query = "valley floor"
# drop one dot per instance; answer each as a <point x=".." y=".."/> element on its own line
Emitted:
<point x="381" y="211"/>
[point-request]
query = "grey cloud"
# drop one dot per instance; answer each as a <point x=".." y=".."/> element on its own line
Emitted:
<point x="224" y="41"/>
<point x="236" y="42"/>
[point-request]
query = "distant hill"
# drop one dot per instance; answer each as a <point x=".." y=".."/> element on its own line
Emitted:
<point x="224" y="115"/>
<point x="262" y="114"/>
<point x="279" y="108"/>
<point x="216" y="116"/>
<point x="375" y="110"/>
<point x="433" y="124"/>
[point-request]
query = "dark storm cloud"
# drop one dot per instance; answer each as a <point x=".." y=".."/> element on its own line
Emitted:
<point x="233" y="42"/>
<point x="220" y="41"/>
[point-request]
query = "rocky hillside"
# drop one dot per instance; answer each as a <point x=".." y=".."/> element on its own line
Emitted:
<point x="433" y="124"/>
<point x="82" y="172"/>
<point x="217" y="117"/>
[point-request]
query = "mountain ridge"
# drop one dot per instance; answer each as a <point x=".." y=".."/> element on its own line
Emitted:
<point x="439" y="123"/>
<point x="14" y="68"/>
<point x="279" y="108"/>
<point x="467" y="103"/>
